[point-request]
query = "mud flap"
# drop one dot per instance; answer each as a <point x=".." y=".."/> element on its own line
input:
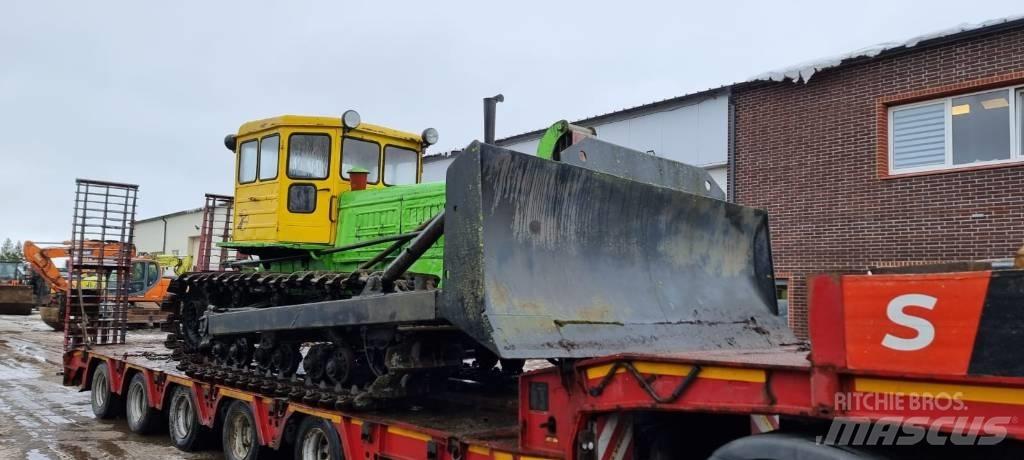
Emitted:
<point x="549" y="260"/>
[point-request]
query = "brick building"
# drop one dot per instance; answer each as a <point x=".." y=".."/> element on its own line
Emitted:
<point x="911" y="155"/>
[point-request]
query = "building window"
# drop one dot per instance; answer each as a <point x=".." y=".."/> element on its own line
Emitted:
<point x="960" y="131"/>
<point x="782" y="296"/>
<point x="400" y="166"/>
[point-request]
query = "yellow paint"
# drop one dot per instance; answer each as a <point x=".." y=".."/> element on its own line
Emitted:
<point x="357" y="422"/>
<point x="236" y="395"/>
<point x="681" y="370"/>
<point x="180" y="381"/>
<point x="503" y="456"/>
<point x="479" y="450"/>
<point x="975" y="393"/>
<point x="524" y="457"/>
<point x="318" y="413"/>
<point x="408" y="433"/>
<point x="261" y="207"/>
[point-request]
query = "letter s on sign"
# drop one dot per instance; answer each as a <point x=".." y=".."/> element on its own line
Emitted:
<point x="925" y="329"/>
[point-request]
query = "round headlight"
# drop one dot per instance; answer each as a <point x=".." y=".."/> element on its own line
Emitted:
<point x="230" y="142"/>
<point x="429" y="136"/>
<point x="351" y="119"/>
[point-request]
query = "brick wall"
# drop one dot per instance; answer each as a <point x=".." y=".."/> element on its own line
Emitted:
<point x="808" y="153"/>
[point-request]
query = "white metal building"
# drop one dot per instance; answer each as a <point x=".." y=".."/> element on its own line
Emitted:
<point x="692" y="129"/>
<point x="176" y="233"/>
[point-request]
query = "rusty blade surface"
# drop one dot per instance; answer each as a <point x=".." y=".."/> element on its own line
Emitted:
<point x="548" y="260"/>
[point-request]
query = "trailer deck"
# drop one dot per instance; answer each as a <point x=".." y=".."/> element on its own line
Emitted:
<point x="595" y="408"/>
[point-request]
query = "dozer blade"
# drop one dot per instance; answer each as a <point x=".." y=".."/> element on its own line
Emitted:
<point x="549" y="260"/>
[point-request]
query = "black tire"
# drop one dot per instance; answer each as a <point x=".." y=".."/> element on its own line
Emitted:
<point x="105" y="404"/>
<point x="317" y="439"/>
<point x="183" y="425"/>
<point x="239" y="438"/>
<point x="142" y="418"/>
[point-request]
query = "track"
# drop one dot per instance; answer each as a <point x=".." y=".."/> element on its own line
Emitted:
<point x="340" y="368"/>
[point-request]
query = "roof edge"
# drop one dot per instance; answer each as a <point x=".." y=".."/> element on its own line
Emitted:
<point x="630" y="112"/>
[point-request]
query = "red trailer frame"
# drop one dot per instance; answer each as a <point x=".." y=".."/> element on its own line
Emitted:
<point x="886" y="337"/>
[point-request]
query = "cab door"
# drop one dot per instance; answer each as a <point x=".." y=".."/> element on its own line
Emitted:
<point x="310" y="187"/>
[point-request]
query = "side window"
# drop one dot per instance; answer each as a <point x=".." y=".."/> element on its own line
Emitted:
<point x="309" y="156"/>
<point x="138" y="277"/>
<point x="152" y="274"/>
<point x="399" y="166"/>
<point x="247" y="162"/>
<point x="362" y="154"/>
<point x="302" y="198"/>
<point x="269" y="153"/>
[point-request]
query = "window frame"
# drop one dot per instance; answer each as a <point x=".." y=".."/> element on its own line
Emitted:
<point x="1015" y="119"/>
<point x="288" y="157"/>
<point x="259" y="157"/>
<point x="380" y="159"/>
<point x="288" y="197"/>
<point x="384" y="163"/>
<point x="256" y="172"/>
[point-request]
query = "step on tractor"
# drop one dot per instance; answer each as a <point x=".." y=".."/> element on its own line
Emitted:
<point x="367" y="286"/>
<point x="146" y="288"/>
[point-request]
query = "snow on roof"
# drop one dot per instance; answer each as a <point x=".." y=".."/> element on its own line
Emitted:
<point x="804" y="71"/>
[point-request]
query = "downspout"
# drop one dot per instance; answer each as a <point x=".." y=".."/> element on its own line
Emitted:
<point x="731" y="150"/>
<point x="163" y="247"/>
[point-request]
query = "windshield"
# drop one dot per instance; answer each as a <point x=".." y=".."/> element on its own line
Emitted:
<point x="9" y="270"/>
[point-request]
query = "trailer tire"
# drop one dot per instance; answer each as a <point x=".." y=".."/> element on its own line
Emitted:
<point x="142" y="418"/>
<point x="105" y="404"/>
<point x="239" y="437"/>
<point x="183" y="425"/>
<point x="317" y="439"/>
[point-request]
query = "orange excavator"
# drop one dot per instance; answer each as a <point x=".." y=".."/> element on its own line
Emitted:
<point x="146" y="288"/>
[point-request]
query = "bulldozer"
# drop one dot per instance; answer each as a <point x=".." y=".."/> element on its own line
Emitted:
<point x="381" y="287"/>
<point x="147" y="285"/>
<point x="16" y="295"/>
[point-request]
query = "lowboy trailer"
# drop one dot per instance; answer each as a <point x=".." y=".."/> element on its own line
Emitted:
<point x="899" y="366"/>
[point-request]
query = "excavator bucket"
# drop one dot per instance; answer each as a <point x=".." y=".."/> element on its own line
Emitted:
<point x="545" y="259"/>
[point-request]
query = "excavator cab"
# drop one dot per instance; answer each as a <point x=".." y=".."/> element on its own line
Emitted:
<point x="145" y="275"/>
<point x="291" y="171"/>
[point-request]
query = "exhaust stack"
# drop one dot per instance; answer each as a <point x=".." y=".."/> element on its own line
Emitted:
<point x="490" y="112"/>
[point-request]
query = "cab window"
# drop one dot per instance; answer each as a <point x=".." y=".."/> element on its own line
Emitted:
<point x="268" y="157"/>
<point x="362" y="154"/>
<point x="144" y="276"/>
<point x="247" y="162"/>
<point x="309" y="156"/>
<point x="399" y="166"/>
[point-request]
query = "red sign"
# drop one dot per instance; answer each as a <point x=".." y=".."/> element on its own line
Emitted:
<point x="913" y="323"/>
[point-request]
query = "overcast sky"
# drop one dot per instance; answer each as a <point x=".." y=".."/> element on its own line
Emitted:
<point x="144" y="92"/>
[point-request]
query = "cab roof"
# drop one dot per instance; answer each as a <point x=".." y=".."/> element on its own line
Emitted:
<point x="321" y="122"/>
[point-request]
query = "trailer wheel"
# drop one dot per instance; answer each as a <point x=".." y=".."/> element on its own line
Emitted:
<point x="142" y="418"/>
<point x="105" y="404"/>
<point x="317" y="440"/>
<point x="183" y="420"/>
<point x="240" y="440"/>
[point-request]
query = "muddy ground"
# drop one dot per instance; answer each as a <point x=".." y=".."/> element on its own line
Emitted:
<point x="41" y="419"/>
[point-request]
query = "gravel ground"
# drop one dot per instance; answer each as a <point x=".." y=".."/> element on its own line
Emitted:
<point x="41" y="419"/>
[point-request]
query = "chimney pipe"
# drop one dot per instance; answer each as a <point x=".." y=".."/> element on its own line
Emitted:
<point x="490" y="111"/>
